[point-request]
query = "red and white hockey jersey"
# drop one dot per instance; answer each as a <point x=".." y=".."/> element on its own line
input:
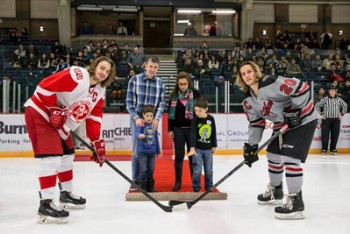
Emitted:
<point x="276" y="93"/>
<point x="71" y="89"/>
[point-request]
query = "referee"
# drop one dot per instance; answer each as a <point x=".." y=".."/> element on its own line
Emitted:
<point x="332" y="109"/>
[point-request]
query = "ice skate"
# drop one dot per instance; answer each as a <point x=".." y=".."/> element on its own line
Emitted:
<point x="49" y="213"/>
<point x="292" y="209"/>
<point x="70" y="201"/>
<point x="272" y="196"/>
<point x="334" y="154"/>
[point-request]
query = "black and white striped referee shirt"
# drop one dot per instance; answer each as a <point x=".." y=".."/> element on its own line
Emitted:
<point x="331" y="107"/>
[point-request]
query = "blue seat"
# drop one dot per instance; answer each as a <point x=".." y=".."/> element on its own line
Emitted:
<point x="123" y="70"/>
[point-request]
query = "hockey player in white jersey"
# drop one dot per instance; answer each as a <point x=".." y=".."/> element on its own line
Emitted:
<point x="61" y="102"/>
<point x="283" y="101"/>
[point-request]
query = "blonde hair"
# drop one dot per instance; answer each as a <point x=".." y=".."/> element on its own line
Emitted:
<point x="91" y="69"/>
<point x="240" y="82"/>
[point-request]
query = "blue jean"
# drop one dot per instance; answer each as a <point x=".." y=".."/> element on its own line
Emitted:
<point x="146" y="162"/>
<point x="135" y="168"/>
<point x="204" y="158"/>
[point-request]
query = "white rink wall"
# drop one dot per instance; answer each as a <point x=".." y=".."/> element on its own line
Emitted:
<point x="231" y="132"/>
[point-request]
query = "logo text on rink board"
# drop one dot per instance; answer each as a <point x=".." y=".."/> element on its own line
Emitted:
<point x="111" y="133"/>
<point x="12" y="129"/>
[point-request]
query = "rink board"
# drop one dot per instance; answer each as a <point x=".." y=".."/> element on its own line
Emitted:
<point x="232" y="132"/>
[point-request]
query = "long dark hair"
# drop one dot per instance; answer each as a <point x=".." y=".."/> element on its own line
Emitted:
<point x="181" y="75"/>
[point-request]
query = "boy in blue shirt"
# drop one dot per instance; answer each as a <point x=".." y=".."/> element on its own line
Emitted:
<point x="203" y="145"/>
<point x="148" y="148"/>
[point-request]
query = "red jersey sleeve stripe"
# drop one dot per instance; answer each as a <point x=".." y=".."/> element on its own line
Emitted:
<point x="303" y="88"/>
<point x="307" y="109"/>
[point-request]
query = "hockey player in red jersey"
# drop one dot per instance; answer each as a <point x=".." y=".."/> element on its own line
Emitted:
<point x="61" y="102"/>
<point x="282" y="101"/>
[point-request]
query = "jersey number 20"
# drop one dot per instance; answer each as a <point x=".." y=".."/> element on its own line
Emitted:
<point x="287" y="86"/>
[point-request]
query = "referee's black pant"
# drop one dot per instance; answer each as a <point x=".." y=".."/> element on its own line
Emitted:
<point x="330" y="126"/>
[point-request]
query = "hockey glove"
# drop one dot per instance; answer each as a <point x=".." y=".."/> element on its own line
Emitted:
<point x="100" y="148"/>
<point x="292" y="117"/>
<point x="250" y="155"/>
<point x="58" y="117"/>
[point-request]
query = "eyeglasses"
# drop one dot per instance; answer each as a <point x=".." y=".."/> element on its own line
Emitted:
<point x="182" y="84"/>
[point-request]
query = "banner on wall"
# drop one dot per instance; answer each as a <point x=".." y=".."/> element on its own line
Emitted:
<point x="13" y="133"/>
<point x="232" y="132"/>
<point x="116" y="131"/>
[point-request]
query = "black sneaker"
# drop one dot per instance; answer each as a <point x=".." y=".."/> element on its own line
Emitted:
<point x="49" y="213"/>
<point x="323" y="152"/>
<point x="272" y="196"/>
<point x="292" y="209"/>
<point x="70" y="201"/>
<point x="334" y="152"/>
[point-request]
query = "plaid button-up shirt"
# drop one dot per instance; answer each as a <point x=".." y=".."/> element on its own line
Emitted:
<point x="143" y="91"/>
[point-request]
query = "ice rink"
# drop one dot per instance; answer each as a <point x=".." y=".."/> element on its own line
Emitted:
<point x="326" y="193"/>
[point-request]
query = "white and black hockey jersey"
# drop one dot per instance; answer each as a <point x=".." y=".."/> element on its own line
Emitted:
<point x="275" y="93"/>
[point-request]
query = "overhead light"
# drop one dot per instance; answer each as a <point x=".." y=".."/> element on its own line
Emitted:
<point x="89" y="8"/>
<point x="107" y="7"/>
<point x="129" y="7"/>
<point x="188" y="11"/>
<point x="119" y="9"/>
<point x="183" y="21"/>
<point x="178" y="34"/>
<point x="223" y="12"/>
<point x="87" y="5"/>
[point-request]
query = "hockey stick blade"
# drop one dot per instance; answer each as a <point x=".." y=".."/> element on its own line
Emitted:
<point x="163" y="207"/>
<point x="173" y="203"/>
<point x="277" y="134"/>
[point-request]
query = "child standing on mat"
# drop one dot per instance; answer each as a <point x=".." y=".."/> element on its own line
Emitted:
<point x="203" y="145"/>
<point x="148" y="148"/>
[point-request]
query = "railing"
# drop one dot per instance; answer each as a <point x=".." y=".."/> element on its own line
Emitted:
<point x="223" y="95"/>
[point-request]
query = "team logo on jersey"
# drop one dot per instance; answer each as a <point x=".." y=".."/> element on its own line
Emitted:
<point x="78" y="73"/>
<point x="246" y="105"/>
<point x="266" y="109"/>
<point x="78" y="111"/>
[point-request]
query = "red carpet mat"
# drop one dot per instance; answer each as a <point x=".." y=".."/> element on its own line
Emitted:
<point x="164" y="176"/>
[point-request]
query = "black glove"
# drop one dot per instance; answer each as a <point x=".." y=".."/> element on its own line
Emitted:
<point x="292" y="117"/>
<point x="250" y="155"/>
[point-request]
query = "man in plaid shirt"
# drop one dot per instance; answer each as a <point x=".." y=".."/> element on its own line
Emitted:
<point x="144" y="89"/>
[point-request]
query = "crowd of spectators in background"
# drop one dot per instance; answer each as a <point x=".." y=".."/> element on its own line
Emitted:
<point x="303" y="56"/>
<point x="287" y="55"/>
<point x="60" y="57"/>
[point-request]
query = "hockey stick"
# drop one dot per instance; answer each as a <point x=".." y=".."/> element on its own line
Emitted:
<point x="191" y="203"/>
<point x="163" y="207"/>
